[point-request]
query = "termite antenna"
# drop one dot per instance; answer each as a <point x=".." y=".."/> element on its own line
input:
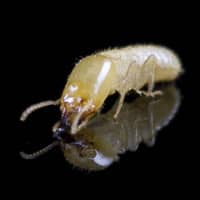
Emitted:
<point x="37" y="106"/>
<point x="36" y="154"/>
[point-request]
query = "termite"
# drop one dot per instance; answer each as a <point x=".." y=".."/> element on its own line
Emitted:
<point x="99" y="75"/>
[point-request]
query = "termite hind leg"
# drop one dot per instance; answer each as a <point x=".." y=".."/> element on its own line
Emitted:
<point x="124" y="86"/>
<point x="148" y="71"/>
<point x="38" y="106"/>
<point x="119" y="106"/>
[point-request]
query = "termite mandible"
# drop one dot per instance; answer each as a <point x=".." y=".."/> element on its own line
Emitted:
<point x="97" y="76"/>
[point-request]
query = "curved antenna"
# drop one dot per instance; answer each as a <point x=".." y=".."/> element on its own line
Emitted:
<point x="37" y="106"/>
<point x="42" y="151"/>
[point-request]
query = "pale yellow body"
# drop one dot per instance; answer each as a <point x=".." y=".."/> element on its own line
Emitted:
<point x="97" y="76"/>
<point x="166" y="63"/>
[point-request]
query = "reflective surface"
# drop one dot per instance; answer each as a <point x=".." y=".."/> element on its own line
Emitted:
<point x="103" y="140"/>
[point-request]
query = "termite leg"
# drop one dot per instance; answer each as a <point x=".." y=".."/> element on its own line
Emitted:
<point x="148" y="71"/>
<point x="120" y="104"/>
<point x="75" y="127"/>
<point x="38" y="106"/>
<point x="124" y="86"/>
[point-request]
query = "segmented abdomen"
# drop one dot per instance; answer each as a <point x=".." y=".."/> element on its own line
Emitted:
<point x="168" y="65"/>
<point x="165" y="57"/>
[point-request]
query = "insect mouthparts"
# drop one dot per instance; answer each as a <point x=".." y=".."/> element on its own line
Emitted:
<point x="60" y="130"/>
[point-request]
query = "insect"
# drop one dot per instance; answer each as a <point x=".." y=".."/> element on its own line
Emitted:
<point x="97" y="76"/>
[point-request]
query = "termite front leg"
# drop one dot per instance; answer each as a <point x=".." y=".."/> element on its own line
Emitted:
<point x="147" y="72"/>
<point x="120" y="104"/>
<point x="38" y="106"/>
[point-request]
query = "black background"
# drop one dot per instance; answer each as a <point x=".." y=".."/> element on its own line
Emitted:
<point x="45" y="45"/>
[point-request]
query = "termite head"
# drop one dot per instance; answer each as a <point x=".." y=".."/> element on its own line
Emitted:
<point x="76" y="111"/>
<point x="87" y="87"/>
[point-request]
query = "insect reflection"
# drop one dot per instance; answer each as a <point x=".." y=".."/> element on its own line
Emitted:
<point x="99" y="144"/>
